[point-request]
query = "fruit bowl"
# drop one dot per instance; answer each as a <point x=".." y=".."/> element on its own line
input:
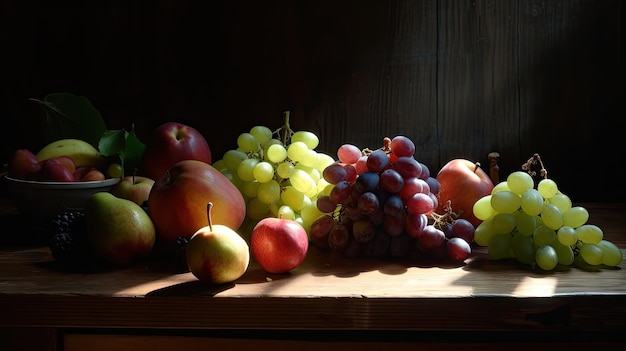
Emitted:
<point x="42" y="200"/>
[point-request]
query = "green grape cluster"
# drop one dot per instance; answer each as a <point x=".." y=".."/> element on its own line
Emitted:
<point x="538" y="225"/>
<point x="279" y="173"/>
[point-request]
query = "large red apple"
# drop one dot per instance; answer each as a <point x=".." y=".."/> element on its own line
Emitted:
<point x="178" y="200"/>
<point x="133" y="188"/>
<point x="279" y="245"/>
<point x="172" y="142"/>
<point x="462" y="182"/>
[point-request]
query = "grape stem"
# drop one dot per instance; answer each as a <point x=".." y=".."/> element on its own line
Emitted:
<point x="448" y="216"/>
<point x="533" y="161"/>
<point x="285" y="131"/>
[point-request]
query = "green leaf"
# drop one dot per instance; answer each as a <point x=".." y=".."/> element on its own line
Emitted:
<point x="65" y="115"/>
<point x="126" y="145"/>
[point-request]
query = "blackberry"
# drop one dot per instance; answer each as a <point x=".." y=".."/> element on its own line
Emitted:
<point x="68" y="243"/>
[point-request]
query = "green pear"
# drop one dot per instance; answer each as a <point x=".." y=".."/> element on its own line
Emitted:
<point x="119" y="230"/>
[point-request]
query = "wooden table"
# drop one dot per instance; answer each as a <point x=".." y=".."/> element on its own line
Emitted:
<point x="329" y="300"/>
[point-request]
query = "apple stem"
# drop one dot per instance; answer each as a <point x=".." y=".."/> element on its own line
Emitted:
<point x="208" y="214"/>
<point x="476" y="166"/>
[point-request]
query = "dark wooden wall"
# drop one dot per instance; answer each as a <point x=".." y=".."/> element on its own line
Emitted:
<point x="461" y="78"/>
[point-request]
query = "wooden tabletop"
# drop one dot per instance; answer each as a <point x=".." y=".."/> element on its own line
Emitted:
<point x="325" y="292"/>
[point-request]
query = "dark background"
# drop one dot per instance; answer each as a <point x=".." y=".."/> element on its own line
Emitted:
<point x="461" y="78"/>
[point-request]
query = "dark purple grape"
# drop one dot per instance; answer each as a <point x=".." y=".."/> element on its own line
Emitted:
<point x="368" y="203"/>
<point x="367" y="181"/>
<point x="464" y="229"/>
<point x="340" y="192"/>
<point x="408" y="167"/>
<point x="425" y="172"/>
<point x="433" y="184"/>
<point x="334" y="173"/>
<point x="350" y="172"/>
<point x="393" y="206"/>
<point x="431" y="238"/>
<point x="414" y="224"/>
<point x="325" y="204"/>
<point x="377" y="161"/>
<point x="394" y="225"/>
<point x="319" y="230"/>
<point x="339" y="236"/>
<point x="363" y="231"/>
<point x="391" y="181"/>
<point x="361" y="165"/>
<point x="352" y="213"/>
<point x="378" y="217"/>
<point x="458" y="249"/>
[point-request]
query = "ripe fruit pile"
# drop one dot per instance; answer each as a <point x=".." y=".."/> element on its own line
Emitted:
<point x="65" y="160"/>
<point x="537" y="225"/>
<point x="382" y="203"/>
<point x="278" y="172"/>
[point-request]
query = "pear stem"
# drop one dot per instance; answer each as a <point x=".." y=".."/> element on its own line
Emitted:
<point x="208" y="214"/>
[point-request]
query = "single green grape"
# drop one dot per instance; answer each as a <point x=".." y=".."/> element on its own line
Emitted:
<point x="286" y="212"/>
<point x="505" y="201"/>
<point x="261" y="133"/>
<point x="285" y="169"/>
<point x="562" y="201"/>
<point x="245" y="171"/>
<point x="250" y="189"/>
<point x="276" y="153"/>
<point x="531" y="202"/>
<point x="302" y="181"/>
<point x="592" y="254"/>
<point x="309" y="138"/>
<point x="519" y="182"/>
<point x="575" y="216"/>
<point x="263" y="172"/>
<point x="547" y="188"/>
<point x="503" y="223"/>
<point x="268" y="192"/>
<point x="611" y="254"/>
<point x="482" y="208"/>
<point x="115" y="170"/>
<point x="248" y="143"/>
<point x="257" y="210"/>
<point x="499" y="187"/>
<point x="552" y="217"/>
<point x="292" y="198"/>
<point x="232" y="159"/>
<point x="484" y="232"/>
<point x="544" y="235"/>
<point x="499" y="246"/>
<point x="546" y="257"/>
<point x="567" y="235"/>
<point x="297" y="150"/>
<point x="589" y="233"/>
<point x="523" y="248"/>
<point x="525" y="223"/>
<point x="564" y="253"/>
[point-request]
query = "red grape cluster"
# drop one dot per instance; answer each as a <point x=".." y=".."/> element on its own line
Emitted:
<point x="381" y="203"/>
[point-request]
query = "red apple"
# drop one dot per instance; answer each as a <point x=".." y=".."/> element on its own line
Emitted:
<point x="133" y="188"/>
<point x="172" y="142"/>
<point x="279" y="245"/>
<point x="23" y="165"/>
<point x="54" y="171"/>
<point x="462" y="182"/>
<point x="216" y="253"/>
<point x="177" y="201"/>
